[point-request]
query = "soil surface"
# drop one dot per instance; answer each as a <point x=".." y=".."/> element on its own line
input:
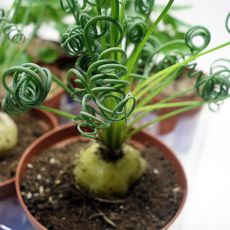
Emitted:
<point x="51" y="195"/>
<point x="29" y="129"/>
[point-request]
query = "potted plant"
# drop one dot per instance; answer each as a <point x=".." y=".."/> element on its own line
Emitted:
<point x="67" y="182"/>
<point x="17" y="132"/>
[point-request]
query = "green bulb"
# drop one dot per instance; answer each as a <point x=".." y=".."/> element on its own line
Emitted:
<point x="107" y="178"/>
<point x="8" y="133"/>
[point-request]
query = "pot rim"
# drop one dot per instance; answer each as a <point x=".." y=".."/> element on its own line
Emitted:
<point x="53" y="124"/>
<point x="173" y="157"/>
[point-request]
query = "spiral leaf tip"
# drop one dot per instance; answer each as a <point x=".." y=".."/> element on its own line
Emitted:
<point x="28" y="88"/>
<point x="11" y="30"/>
<point x="101" y="92"/>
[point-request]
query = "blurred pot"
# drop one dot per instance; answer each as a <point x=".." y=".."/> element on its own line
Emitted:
<point x="48" y="122"/>
<point x="170" y="124"/>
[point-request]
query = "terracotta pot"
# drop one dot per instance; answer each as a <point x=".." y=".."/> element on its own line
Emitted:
<point x="169" y="124"/>
<point x="64" y="135"/>
<point x="48" y="122"/>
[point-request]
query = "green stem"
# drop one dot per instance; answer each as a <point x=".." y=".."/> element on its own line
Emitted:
<point x="122" y="14"/>
<point x="58" y="112"/>
<point x="14" y="6"/>
<point x="176" y="95"/>
<point x="171" y="44"/>
<point x="14" y="53"/>
<point x="134" y="57"/>
<point x="161" y="118"/>
<point x="151" y="108"/>
<point x="142" y="88"/>
<point x="115" y="15"/>
<point x="112" y="132"/>
<point x="111" y="136"/>
<point x="73" y="10"/>
<point x="61" y="84"/>
<point x="158" y="77"/>
<point x="163" y="83"/>
<point x="167" y="99"/>
<point x="103" y="38"/>
<point x="27" y="14"/>
<point x="5" y="42"/>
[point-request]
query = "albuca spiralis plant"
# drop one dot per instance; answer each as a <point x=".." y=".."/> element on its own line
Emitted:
<point x="112" y="40"/>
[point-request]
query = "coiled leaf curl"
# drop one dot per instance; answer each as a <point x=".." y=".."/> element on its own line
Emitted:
<point x="73" y="40"/>
<point x="170" y="59"/>
<point x="214" y="87"/>
<point x="227" y="23"/>
<point x="136" y="29"/>
<point x="149" y="49"/>
<point x="157" y="56"/>
<point x="197" y="32"/>
<point x="193" y="71"/>
<point x="85" y="37"/>
<point x="220" y="64"/>
<point x="101" y="92"/>
<point x="144" y="7"/>
<point x="11" y="30"/>
<point x="26" y="86"/>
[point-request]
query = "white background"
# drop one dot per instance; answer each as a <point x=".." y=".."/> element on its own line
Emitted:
<point x="208" y="170"/>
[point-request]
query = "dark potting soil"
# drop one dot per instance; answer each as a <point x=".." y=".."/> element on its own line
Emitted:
<point x="29" y="129"/>
<point x="51" y="196"/>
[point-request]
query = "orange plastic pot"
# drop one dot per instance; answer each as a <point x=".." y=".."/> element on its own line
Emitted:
<point x="48" y="122"/>
<point x="68" y="133"/>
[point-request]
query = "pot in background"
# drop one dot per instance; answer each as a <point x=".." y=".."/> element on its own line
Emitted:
<point x="168" y="125"/>
<point x="48" y="122"/>
<point x="184" y="81"/>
